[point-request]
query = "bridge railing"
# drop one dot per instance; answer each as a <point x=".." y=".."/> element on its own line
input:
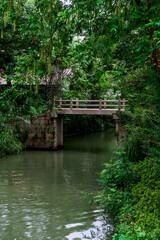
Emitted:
<point x="89" y="104"/>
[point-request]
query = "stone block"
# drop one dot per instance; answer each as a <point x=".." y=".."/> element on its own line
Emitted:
<point x="31" y="135"/>
<point x="40" y="131"/>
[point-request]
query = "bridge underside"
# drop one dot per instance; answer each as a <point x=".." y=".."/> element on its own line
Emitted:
<point x="58" y="122"/>
<point x="81" y="111"/>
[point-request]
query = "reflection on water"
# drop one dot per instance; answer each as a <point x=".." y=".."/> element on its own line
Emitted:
<point x="41" y="191"/>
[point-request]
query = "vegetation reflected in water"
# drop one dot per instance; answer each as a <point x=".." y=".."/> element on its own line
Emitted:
<point x="41" y="191"/>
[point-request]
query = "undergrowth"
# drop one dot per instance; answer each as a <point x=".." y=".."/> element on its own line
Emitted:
<point x="131" y="183"/>
<point x="9" y="139"/>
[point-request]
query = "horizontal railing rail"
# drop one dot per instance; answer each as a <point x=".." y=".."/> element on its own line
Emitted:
<point x="101" y="104"/>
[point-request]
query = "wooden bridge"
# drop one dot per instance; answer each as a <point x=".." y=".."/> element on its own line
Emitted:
<point x="83" y="107"/>
<point x="88" y="107"/>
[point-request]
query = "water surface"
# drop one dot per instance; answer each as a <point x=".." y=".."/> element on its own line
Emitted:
<point x="40" y="191"/>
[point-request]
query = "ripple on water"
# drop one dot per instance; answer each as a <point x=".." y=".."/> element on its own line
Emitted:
<point x="40" y="192"/>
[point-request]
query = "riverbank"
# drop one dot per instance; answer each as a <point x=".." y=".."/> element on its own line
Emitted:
<point x="131" y="184"/>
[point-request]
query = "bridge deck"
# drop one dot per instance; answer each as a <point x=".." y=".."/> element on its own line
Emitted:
<point x="88" y="107"/>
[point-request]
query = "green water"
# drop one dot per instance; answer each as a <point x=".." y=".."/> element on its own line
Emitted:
<point x="40" y="191"/>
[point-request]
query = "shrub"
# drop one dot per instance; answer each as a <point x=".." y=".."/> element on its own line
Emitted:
<point x="9" y="141"/>
<point x="131" y="193"/>
<point x="116" y="180"/>
<point x="146" y="194"/>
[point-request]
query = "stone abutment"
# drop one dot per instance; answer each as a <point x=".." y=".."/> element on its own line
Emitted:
<point x="43" y="131"/>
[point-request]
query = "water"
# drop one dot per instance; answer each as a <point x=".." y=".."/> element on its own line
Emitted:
<point x="40" y="192"/>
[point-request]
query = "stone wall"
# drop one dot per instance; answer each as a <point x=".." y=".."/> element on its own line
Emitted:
<point x="37" y="132"/>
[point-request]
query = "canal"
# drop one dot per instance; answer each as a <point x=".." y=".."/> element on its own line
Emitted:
<point x="41" y="191"/>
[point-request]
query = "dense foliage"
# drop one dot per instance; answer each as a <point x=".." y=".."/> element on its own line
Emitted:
<point x="113" y="49"/>
<point x="9" y="140"/>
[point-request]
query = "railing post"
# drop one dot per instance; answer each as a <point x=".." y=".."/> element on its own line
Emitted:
<point x="60" y="102"/>
<point x="124" y="104"/>
<point x="119" y="104"/>
<point x="100" y="104"/>
<point x="71" y="104"/>
<point x="53" y="105"/>
<point x="77" y="103"/>
<point x="104" y="103"/>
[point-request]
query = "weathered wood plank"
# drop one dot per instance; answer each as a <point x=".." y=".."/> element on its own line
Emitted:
<point x="87" y="111"/>
<point x="119" y="104"/>
<point x="100" y="104"/>
<point x="67" y="100"/>
<point x="71" y="104"/>
<point x="104" y="103"/>
<point x="60" y="103"/>
<point x="123" y="104"/>
<point x="77" y="103"/>
<point x="91" y="105"/>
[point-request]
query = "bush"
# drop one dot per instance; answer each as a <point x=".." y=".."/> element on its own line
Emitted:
<point x="18" y="100"/>
<point x="131" y="193"/>
<point x="116" y="180"/>
<point x="9" y="141"/>
<point x="146" y="194"/>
